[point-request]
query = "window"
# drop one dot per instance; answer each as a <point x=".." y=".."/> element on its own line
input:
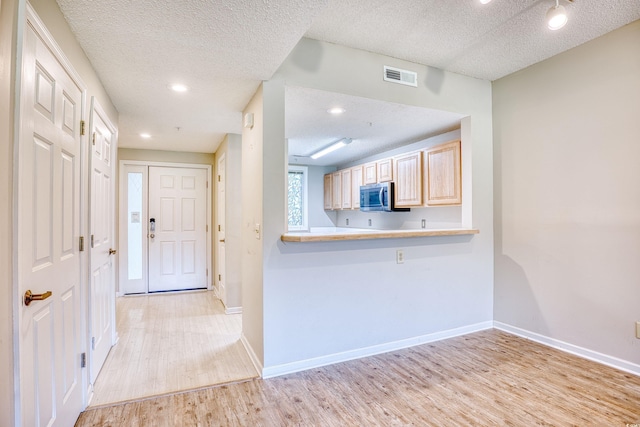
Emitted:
<point x="297" y="200"/>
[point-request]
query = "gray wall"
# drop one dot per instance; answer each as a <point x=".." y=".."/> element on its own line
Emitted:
<point x="323" y="299"/>
<point x="567" y="201"/>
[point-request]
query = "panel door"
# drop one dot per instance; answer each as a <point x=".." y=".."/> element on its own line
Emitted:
<point x="49" y="228"/>
<point x="385" y="170"/>
<point x="328" y="201"/>
<point x="102" y="224"/>
<point x="370" y="173"/>
<point x="222" y="248"/>
<point x="408" y="180"/>
<point x="356" y="182"/>
<point x="336" y="190"/>
<point x="444" y="180"/>
<point x="177" y="246"/>
<point x="346" y="189"/>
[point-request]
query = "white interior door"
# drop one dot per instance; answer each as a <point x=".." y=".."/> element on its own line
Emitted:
<point x="48" y="219"/>
<point x="222" y="200"/>
<point x="102" y="247"/>
<point x="177" y="228"/>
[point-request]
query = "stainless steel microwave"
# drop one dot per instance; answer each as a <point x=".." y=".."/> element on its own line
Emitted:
<point x="378" y="198"/>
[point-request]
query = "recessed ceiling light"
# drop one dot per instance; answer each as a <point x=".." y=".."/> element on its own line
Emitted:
<point x="178" y="87"/>
<point x="145" y="135"/>
<point x="336" y="110"/>
<point x="484" y="1"/>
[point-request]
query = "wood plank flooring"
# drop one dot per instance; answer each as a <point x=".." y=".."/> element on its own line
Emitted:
<point x="482" y="379"/>
<point x="171" y="342"/>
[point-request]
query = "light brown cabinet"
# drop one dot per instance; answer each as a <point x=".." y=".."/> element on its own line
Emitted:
<point x="346" y="188"/>
<point x="336" y="190"/>
<point x="408" y="179"/>
<point x="370" y="173"/>
<point x="356" y="182"/>
<point x="385" y="170"/>
<point x="327" y="192"/>
<point x="443" y="181"/>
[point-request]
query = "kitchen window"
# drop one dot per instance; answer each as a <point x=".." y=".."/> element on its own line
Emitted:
<point x="297" y="206"/>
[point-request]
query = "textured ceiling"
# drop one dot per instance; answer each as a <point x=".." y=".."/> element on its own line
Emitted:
<point x="374" y="126"/>
<point x="224" y="49"/>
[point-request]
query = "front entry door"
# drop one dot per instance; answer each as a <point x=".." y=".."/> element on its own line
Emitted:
<point x="177" y="229"/>
<point x="102" y="286"/>
<point x="49" y="213"/>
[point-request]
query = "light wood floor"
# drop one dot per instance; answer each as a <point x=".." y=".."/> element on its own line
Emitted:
<point x="169" y="343"/>
<point x="486" y="378"/>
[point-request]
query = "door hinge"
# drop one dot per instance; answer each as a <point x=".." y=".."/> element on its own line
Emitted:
<point x="207" y="228"/>
<point x="207" y="271"/>
<point x="93" y="139"/>
<point x="218" y="178"/>
<point x="83" y="360"/>
<point x="207" y="184"/>
<point x="92" y="241"/>
<point x="81" y="243"/>
<point x="93" y="343"/>
<point x="219" y="227"/>
<point x="219" y="277"/>
<point x="82" y="127"/>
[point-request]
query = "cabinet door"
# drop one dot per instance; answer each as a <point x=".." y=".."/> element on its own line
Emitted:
<point x="408" y="180"/>
<point x="356" y="182"/>
<point x="443" y="174"/>
<point x="346" y="188"/>
<point x="370" y="173"/>
<point x="385" y="170"/>
<point x="327" y="192"/>
<point x="336" y="190"/>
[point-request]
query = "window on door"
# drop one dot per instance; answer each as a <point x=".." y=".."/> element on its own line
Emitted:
<point x="297" y="198"/>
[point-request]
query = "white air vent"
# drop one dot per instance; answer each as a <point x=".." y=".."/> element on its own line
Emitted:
<point x="404" y="77"/>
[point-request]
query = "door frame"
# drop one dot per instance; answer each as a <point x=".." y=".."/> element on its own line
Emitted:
<point x="122" y="215"/>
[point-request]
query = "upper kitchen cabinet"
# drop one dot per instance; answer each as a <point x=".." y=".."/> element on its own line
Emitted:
<point x="346" y="188"/>
<point x="385" y="170"/>
<point x="370" y="173"/>
<point x="408" y="179"/>
<point x="356" y="182"/>
<point x="328" y="200"/>
<point x="443" y="182"/>
<point x="336" y="190"/>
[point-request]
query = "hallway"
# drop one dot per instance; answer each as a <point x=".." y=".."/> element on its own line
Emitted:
<point x="170" y="343"/>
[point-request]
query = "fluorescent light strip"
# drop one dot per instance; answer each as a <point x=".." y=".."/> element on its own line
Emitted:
<point x="331" y="148"/>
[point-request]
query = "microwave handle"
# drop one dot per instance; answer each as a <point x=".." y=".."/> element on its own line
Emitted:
<point x="382" y="196"/>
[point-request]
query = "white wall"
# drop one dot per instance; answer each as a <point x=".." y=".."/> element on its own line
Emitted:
<point x="8" y="13"/>
<point x="318" y="217"/>
<point x="322" y="299"/>
<point x="231" y="147"/>
<point x="567" y="200"/>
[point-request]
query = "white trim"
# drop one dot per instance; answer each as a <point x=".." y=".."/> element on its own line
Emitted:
<point x="289" y="368"/>
<point x="585" y="353"/>
<point x="233" y="310"/>
<point x="252" y="354"/>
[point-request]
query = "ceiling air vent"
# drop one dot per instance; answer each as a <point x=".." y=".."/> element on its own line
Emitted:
<point x="404" y="77"/>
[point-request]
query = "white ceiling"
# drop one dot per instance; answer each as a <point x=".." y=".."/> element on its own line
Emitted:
<point x="223" y="49"/>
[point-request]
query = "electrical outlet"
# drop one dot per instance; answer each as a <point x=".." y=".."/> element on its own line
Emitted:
<point x="369" y="223"/>
<point x="399" y="256"/>
<point x="638" y="330"/>
<point x="424" y="223"/>
<point x="347" y="221"/>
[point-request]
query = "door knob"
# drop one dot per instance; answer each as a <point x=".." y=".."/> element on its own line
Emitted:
<point x="29" y="296"/>
<point x="112" y="251"/>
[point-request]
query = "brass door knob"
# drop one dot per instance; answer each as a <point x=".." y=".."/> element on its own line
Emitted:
<point x="112" y="251"/>
<point x="29" y="296"/>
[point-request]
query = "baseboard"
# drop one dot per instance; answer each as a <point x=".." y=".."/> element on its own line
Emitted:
<point x="289" y="368"/>
<point x="252" y="355"/>
<point x="585" y="353"/>
<point x="233" y="310"/>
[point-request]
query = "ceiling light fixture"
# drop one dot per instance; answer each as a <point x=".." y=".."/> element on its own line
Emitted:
<point x="178" y="87"/>
<point x="485" y="1"/>
<point x="330" y="148"/>
<point x="145" y="135"/>
<point x="556" y="17"/>
<point x="336" y="110"/>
